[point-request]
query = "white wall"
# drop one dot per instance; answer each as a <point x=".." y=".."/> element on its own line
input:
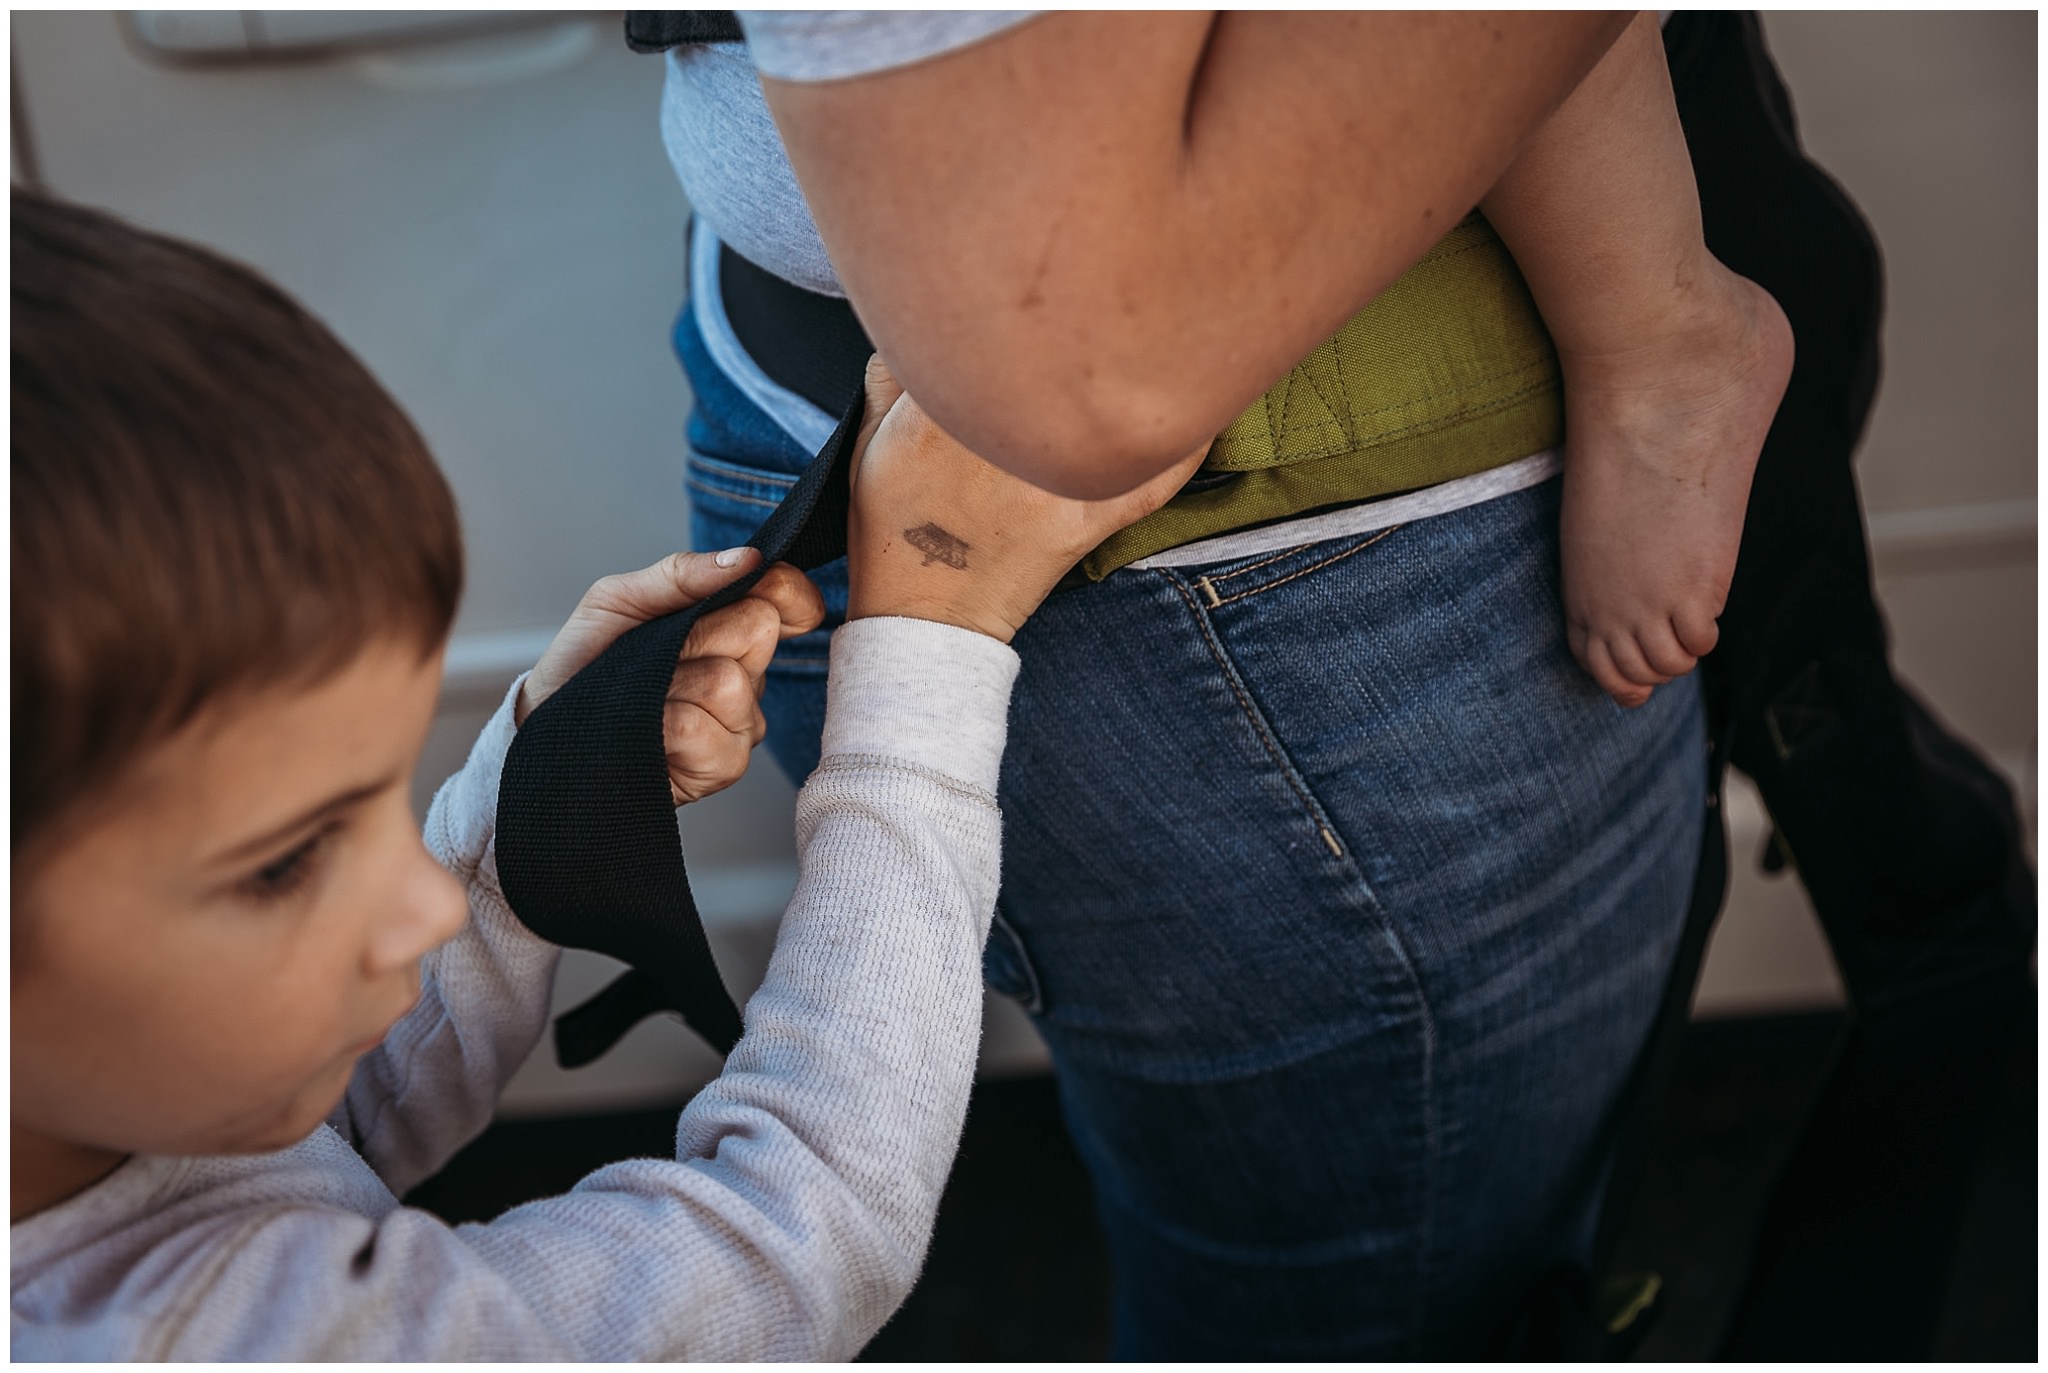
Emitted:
<point x="491" y="223"/>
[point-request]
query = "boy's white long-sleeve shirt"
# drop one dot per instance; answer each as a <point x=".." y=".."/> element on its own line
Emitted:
<point x="796" y="1211"/>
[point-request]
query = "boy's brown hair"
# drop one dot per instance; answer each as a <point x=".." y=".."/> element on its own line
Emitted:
<point x="211" y="496"/>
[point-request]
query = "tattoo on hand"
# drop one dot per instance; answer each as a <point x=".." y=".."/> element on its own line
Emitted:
<point x="938" y="546"/>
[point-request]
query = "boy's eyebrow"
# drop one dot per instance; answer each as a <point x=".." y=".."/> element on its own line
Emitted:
<point x="249" y="848"/>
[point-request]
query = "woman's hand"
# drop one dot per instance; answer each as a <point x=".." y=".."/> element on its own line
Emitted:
<point x="936" y="533"/>
<point x="713" y="717"/>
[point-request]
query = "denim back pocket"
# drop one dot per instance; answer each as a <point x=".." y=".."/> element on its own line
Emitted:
<point x="1006" y="966"/>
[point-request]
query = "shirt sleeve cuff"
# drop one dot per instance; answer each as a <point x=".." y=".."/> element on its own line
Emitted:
<point x="921" y="692"/>
<point x="464" y="815"/>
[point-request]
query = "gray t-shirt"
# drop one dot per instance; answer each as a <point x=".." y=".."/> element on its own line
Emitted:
<point x="725" y="147"/>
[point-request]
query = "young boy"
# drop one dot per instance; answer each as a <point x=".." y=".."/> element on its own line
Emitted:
<point x="250" y="1008"/>
<point x="1673" y="368"/>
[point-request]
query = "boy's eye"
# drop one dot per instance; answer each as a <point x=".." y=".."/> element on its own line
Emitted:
<point x="289" y="871"/>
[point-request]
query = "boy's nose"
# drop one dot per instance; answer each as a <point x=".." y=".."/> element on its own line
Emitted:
<point x="430" y="909"/>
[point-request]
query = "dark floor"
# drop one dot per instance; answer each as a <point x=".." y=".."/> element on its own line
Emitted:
<point x="1017" y="1270"/>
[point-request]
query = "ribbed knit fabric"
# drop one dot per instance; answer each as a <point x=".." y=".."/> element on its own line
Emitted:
<point x="795" y="1215"/>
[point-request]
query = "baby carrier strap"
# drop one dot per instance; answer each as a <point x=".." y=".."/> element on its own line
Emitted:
<point x="660" y="30"/>
<point x="1907" y="842"/>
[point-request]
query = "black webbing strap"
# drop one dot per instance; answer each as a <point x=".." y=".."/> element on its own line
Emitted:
<point x="659" y="30"/>
<point x="588" y="851"/>
<point x="811" y="344"/>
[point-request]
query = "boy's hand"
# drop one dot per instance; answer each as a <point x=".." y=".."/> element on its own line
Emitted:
<point x="938" y="534"/>
<point x="713" y="718"/>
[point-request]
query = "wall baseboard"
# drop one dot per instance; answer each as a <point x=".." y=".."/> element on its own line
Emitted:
<point x="1943" y="527"/>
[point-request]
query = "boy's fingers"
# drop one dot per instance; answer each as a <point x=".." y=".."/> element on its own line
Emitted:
<point x="722" y="689"/>
<point x="700" y="745"/>
<point x="795" y="597"/>
<point x="675" y="583"/>
<point x="622" y="602"/>
<point x="744" y="632"/>
<point x="704" y="756"/>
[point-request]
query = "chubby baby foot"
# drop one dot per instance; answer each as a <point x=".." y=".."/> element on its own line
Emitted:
<point x="1661" y="441"/>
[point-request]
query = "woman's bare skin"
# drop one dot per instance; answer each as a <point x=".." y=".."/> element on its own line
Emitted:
<point x="1087" y="243"/>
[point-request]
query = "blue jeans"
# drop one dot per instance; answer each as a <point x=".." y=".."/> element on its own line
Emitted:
<point x="1343" y="899"/>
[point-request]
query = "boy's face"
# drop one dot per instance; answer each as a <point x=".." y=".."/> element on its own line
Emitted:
<point x="199" y="968"/>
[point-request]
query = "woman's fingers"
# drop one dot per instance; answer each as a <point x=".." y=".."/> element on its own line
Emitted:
<point x="1134" y="505"/>
<point x="882" y="393"/>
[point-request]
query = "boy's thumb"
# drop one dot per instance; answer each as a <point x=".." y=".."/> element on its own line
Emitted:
<point x="682" y="579"/>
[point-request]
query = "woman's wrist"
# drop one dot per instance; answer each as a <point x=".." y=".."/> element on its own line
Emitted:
<point x="875" y="593"/>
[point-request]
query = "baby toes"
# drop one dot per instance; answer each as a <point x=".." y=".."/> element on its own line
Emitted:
<point x="1630" y="661"/>
<point x="1599" y="664"/>
<point x="1661" y="649"/>
<point x="1697" y="632"/>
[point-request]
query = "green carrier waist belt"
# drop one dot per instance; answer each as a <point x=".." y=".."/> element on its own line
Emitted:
<point x="1448" y="373"/>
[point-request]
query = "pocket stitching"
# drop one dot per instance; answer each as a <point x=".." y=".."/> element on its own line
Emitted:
<point x="693" y="484"/>
<point x="1432" y="1140"/>
<point x="741" y="472"/>
<point x="1216" y="601"/>
<point x="1324" y="829"/>
<point x="1264" y="562"/>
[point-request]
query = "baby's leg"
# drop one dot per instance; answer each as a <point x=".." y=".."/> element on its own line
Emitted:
<point x="1673" y="368"/>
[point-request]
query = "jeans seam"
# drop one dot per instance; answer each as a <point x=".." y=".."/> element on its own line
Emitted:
<point x="694" y="485"/>
<point x="1265" y="562"/>
<point x="1307" y="800"/>
<point x="742" y="471"/>
<point x="1343" y="853"/>
<point x="1217" y="601"/>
